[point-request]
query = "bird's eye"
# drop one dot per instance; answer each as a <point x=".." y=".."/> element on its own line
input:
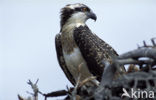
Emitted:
<point x="84" y="9"/>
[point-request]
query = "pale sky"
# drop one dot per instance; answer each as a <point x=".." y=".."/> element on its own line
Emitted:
<point x="28" y="29"/>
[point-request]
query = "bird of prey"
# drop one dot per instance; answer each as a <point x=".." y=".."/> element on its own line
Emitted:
<point x="77" y="45"/>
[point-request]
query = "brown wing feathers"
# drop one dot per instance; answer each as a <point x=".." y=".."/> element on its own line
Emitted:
<point x="93" y="50"/>
<point x="61" y="58"/>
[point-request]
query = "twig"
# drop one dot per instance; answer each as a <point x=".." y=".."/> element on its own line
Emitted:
<point x="133" y="61"/>
<point x="57" y="93"/>
<point x="35" y="89"/>
<point x="20" y="98"/>
<point x="143" y="52"/>
<point x="145" y="45"/>
<point x="153" y="42"/>
<point x="108" y="74"/>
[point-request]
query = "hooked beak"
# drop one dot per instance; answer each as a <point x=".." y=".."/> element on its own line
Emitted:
<point x="91" y="15"/>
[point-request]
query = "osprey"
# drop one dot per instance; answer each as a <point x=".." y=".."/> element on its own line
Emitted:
<point x="77" y="45"/>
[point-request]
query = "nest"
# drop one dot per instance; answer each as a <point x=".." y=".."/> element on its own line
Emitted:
<point x="136" y="84"/>
<point x="140" y="77"/>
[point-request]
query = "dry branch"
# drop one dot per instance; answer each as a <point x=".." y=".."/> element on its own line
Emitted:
<point x="143" y="77"/>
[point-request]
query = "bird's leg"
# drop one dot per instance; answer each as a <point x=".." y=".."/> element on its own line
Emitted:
<point x="79" y="76"/>
<point x="74" y="93"/>
<point x="89" y="79"/>
<point x="82" y="83"/>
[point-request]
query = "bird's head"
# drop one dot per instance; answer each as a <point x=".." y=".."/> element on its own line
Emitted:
<point x="76" y="13"/>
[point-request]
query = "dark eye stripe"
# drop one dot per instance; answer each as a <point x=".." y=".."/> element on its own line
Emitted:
<point x="77" y="9"/>
<point x="81" y="9"/>
<point x="88" y="9"/>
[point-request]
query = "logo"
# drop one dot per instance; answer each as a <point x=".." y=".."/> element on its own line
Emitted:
<point x="137" y="93"/>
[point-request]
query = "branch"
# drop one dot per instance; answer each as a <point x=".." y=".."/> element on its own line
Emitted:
<point x="142" y="52"/>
